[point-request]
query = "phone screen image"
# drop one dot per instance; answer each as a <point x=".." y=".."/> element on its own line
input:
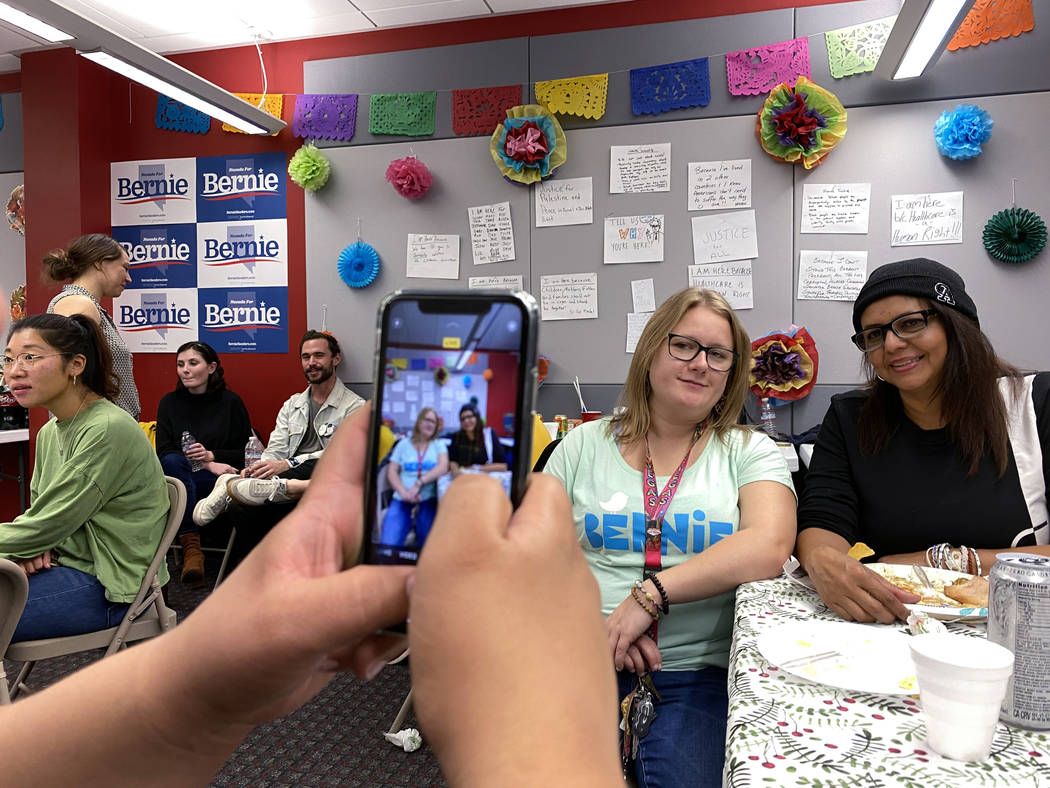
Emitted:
<point x="454" y="394"/>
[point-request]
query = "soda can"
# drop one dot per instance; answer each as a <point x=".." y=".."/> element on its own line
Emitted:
<point x="562" y="422"/>
<point x="1019" y="619"/>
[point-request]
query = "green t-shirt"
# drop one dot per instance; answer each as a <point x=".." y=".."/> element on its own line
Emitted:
<point x="101" y="507"/>
<point x="606" y="496"/>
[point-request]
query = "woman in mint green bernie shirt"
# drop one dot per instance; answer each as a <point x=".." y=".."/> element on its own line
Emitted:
<point x="98" y="497"/>
<point x="731" y="519"/>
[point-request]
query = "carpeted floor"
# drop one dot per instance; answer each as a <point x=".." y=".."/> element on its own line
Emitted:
<point x="335" y="740"/>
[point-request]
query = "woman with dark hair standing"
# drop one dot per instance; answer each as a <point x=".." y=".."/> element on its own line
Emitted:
<point x="203" y="406"/>
<point x="473" y="445"/>
<point x="98" y="498"/>
<point x="97" y="267"/>
<point x="942" y="460"/>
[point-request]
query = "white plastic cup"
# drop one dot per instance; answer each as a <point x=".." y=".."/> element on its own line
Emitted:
<point x="962" y="682"/>
<point x="552" y="428"/>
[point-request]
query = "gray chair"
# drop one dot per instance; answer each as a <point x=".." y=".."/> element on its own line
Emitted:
<point x="148" y="616"/>
<point x="14" y="588"/>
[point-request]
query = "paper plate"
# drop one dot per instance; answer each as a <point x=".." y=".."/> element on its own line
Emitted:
<point x="867" y="657"/>
<point x="938" y="578"/>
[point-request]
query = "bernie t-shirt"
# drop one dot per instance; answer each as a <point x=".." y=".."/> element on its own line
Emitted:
<point x="606" y="496"/>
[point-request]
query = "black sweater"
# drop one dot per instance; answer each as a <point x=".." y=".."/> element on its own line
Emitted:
<point x="217" y="419"/>
<point x="916" y="493"/>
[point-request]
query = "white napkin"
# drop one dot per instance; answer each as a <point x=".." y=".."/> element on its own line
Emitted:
<point x="408" y="739"/>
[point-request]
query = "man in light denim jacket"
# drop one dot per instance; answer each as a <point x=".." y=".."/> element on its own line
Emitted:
<point x="264" y="493"/>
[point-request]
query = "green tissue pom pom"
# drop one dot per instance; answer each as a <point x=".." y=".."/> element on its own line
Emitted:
<point x="1014" y="235"/>
<point x="309" y="168"/>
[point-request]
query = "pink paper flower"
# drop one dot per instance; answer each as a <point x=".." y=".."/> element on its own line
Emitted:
<point x="409" y="177"/>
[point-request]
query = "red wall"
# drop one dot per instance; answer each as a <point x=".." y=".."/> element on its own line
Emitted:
<point x="79" y="117"/>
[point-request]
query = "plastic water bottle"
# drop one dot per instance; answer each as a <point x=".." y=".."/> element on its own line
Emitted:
<point x="253" y="450"/>
<point x="768" y="417"/>
<point x="187" y="441"/>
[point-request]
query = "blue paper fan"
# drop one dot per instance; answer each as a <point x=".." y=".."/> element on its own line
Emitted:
<point x="358" y="264"/>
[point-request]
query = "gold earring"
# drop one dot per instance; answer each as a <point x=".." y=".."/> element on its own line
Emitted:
<point x="74" y="380"/>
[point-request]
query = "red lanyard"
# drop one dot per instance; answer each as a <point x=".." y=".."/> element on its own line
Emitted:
<point x="656" y="505"/>
<point x="419" y="466"/>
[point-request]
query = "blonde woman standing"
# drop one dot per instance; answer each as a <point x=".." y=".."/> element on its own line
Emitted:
<point x="96" y="267"/>
<point x="675" y="506"/>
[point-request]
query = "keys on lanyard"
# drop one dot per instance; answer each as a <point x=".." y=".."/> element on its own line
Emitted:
<point x="638" y="710"/>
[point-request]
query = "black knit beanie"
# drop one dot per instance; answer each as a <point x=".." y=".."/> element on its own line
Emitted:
<point x="917" y="277"/>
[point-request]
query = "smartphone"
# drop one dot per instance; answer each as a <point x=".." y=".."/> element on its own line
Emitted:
<point x="439" y="354"/>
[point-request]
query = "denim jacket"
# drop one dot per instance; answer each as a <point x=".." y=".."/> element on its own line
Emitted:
<point x="292" y="422"/>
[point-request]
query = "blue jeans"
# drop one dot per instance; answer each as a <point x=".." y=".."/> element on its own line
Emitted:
<point x="65" y="601"/>
<point x="686" y="743"/>
<point x="397" y="522"/>
<point x="198" y="485"/>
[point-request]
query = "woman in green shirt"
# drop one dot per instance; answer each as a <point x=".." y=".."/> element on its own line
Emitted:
<point x="98" y="499"/>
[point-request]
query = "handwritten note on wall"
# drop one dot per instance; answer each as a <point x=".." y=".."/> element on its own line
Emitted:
<point x="639" y="168"/>
<point x="561" y="202"/>
<point x="725" y="236"/>
<point x="635" y="325"/>
<point x="569" y="296"/>
<point x="732" y="280"/>
<point x="835" y="207"/>
<point x="831" y="276"/>
<point x="491" y="233"/>
<point x="643" y="295"/>
<point x="433" y="256"/>
<point x="634" y="239"/>
<point x="495" y="282"/>
<point x="920" y="219"/>
<point x="719" y="184"/>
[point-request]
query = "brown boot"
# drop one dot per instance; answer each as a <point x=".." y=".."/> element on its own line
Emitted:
<point x="192" y="560"/>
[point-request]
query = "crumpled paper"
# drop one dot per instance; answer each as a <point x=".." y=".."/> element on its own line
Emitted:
<point x="923" y="623"/>
<point x="408" y="739"/>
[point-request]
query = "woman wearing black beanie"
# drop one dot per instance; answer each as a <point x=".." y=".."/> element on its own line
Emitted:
<point x="941" y="460"/>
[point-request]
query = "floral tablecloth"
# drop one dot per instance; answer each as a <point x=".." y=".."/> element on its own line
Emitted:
<point x="787" y="731"/>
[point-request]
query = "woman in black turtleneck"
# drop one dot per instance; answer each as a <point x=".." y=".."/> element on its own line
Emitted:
<point x="216" y="417"/>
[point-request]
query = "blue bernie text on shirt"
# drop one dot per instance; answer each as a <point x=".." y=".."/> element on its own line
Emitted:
<point x="683" y="532"/>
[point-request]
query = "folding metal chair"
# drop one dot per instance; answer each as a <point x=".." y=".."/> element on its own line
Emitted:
<point x="148" y="616"/>
<point x="14" y="588"/>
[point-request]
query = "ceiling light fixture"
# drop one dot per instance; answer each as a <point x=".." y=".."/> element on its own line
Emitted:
<point x="115" y="52"/>
<point x="921" y="32"/>
<point x="31" y="24"/>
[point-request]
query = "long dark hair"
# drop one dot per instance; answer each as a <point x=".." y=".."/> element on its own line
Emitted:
<point x="77" y="335"/>
<point x="216" y="379"/>
<point x="971" y="406"/>
<point x="477" y="440"/>
<point x="82" y="253"/>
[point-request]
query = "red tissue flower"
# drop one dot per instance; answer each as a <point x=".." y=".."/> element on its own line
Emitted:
<point x="409" y="177"/>
<point x="526" y="143"/>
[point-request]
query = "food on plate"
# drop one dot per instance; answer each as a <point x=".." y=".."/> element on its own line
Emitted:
<point x="930" y="597"/>
<point x="969" y="591"/>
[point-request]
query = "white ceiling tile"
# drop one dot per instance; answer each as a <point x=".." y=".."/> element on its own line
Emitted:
<point x="440" y="11"/>
<point x="518" y="6"/>
<point x="125" y="24"/>
<point x="368" y="6"/>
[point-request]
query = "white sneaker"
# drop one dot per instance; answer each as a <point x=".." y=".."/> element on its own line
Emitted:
<point x="207" y="509"/>
<point x="256" y="492"/>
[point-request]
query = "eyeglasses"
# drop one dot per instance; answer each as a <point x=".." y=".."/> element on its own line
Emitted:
<point x="719" y="359"/>
<point x="428" y="420"/>
<point x="27" y="360"/>
<point x="907" y="325"/>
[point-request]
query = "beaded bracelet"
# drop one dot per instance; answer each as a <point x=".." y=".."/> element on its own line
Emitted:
<point x="666" y="606"/>
<point x="652" y="600"/>
<point x="636" y="595"/>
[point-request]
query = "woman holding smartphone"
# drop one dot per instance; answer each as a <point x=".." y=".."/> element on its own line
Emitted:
<point x="203" y="406"/>
<point x="415" y="465"/>
<point x="676" y="505"/>
<point x="99" y="502"/>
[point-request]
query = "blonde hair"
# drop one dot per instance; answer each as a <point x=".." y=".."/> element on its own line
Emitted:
<point x="417" y="435"/>
<point x="632" y="422"/>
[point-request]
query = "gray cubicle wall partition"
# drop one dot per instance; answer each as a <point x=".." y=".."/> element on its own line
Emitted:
<point x="889" y="145"/>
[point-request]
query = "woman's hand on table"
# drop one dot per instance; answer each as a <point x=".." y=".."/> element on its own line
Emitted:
<point x="625" y="626"/>
<point x="853" y="591"/>
<point x="219" y="468"/>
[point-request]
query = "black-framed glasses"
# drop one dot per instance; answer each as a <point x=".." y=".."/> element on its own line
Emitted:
<point x="904" y="326"/>
<point x="27" y="360"/>
<point x="719" y="359"/>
